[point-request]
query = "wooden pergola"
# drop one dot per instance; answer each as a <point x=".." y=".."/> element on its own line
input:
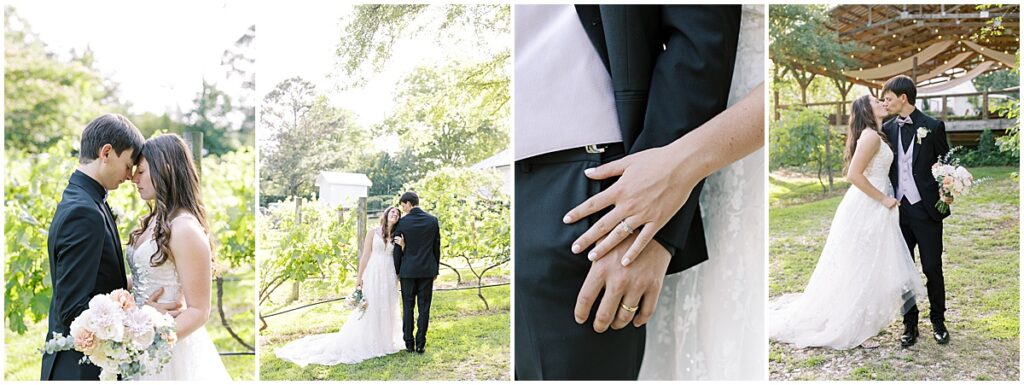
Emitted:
<point x="934" y="44"/>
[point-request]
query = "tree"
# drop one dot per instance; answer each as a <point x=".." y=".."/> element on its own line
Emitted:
<point x="240" y="62"/>
<point x="307" y="135"/>
<point x="373" y="30"/>
<point x="389" y="172"/>
<point x="209" y="115"/>
<point x="474" y="214"/>
<point x="803" y="46"/>
<point x="801" y="139"/>
<point x="454" y="115"/>
<point x="46" y="99"/>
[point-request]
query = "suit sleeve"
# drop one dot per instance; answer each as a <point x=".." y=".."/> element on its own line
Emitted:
<point x="941" y="142"/>
<point x="397" y="252"/>
<point x="437" y="245"/>
<point x="700" y="54"/>
<point x="79" y="251"/>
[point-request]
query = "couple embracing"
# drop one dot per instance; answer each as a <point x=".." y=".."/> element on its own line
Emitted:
<point x="408" y="246"/>
<point x="866" y="271"/>
<point x="169" y="254"/>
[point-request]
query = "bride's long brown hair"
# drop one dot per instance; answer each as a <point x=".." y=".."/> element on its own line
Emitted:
<point x="861" y="118"/>
<point x="177" y="192"/>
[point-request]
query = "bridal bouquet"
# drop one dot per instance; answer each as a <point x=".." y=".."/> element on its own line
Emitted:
<point x="358" y="302"/>
<point x="954" y="181"/>
<point x="119" y="337"/>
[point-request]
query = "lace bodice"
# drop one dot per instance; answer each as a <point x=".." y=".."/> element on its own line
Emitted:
<point x="877" y="170"/>
<point x="147" y="279"/>
<point x="379" y="246"/>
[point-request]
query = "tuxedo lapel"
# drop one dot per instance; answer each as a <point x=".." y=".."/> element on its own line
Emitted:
<point x="112" y="227"/>
<point x="918" y="117"/>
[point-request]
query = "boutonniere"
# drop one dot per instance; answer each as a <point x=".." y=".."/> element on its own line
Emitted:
<point x="921" y="134"/>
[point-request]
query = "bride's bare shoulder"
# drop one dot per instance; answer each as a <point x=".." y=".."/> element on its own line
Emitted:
<point x="869" y="140"/>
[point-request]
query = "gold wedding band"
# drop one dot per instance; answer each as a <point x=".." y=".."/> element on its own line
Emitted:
<point x="626" y="227"/>
<point x="629" y="309"/>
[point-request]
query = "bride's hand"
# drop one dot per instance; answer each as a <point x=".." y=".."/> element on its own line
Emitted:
<point x="400" y="241"/>
<point x="359" y="283"/>
<point x="167" y="308"/>
<point x="646" y="196"/>
<point x="890" y="202"/>
<point x="637" y="285"/>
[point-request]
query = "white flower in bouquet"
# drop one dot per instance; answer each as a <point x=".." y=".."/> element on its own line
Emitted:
<point x="140" y="329"/>
<point x="954" y="180"/>
<point x="124" y="340"/>
<point x="105" y="319"/>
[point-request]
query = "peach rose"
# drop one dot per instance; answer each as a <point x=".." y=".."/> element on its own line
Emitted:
<point x="123" y="298"/>
<point x="85" y="340"/>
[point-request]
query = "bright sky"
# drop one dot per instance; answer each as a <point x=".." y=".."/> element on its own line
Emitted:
<point x="158" y="52"/>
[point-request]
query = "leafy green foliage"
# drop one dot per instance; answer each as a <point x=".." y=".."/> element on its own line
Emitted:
<point x="33" y="189"/>
<point x="454" y="115"/>
<point x="316" y="241"/>
<point x="803" y="45"/>
<point x="799" y="140"/>
<point x="46" y="99"/>
<point x="988" y="153"/>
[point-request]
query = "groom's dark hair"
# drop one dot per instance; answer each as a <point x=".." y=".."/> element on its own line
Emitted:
<point x="410" y="197"/>
<point x="113" y="129"/>
<point x="901" y="85"/>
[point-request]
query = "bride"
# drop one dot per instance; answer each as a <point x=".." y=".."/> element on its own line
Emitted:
<point x="375" y="332"/>
<point x="170" y="256"/>
<point x="865" y="273"/>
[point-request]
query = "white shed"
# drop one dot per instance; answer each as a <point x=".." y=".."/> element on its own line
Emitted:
<point x="502" y="162"/>
<point x="342" y="187"/>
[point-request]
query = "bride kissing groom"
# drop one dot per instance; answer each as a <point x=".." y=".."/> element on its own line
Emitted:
<point x="866" y="271"/>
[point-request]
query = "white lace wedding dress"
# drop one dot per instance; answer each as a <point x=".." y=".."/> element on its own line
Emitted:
<point x="864" y="276"/>
<point x="193" y="358"/>
<point x="709" y="322"/>
<point x="375" y="333"/>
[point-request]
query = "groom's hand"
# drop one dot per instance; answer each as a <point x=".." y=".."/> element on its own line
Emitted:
<point x="637" y="285"/>
<point x="167" y="308"/>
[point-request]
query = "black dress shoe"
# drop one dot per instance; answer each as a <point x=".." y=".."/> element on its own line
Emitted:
<point x="409" y="347"/>
<point x="421" y="348"/>
<point x="909" y="337"/>
<point x="940" y="334"/>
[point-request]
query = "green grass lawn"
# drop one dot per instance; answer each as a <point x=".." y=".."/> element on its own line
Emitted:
<point x="24" y="360"/>
<point x="465" y="341"/>
<point x="981" y="266"/>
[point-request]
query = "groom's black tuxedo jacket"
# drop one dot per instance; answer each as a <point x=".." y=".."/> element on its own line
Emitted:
<point x="932" y="146"/>
<point x="422" y="255"/>
<point x="671" y="69"/>
<point x="85" y="260"/>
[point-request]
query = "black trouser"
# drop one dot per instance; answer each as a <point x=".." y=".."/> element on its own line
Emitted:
<point x="65" y="366"/>
<point x="923" y="232"/>
<point x="416" y="292"/>
<point x="549" y="344"/>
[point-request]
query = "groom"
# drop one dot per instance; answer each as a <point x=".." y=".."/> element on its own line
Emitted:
<point x="918" y="142"/>
<point x="417" y="260"/>
<point x="83" y="243"/>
